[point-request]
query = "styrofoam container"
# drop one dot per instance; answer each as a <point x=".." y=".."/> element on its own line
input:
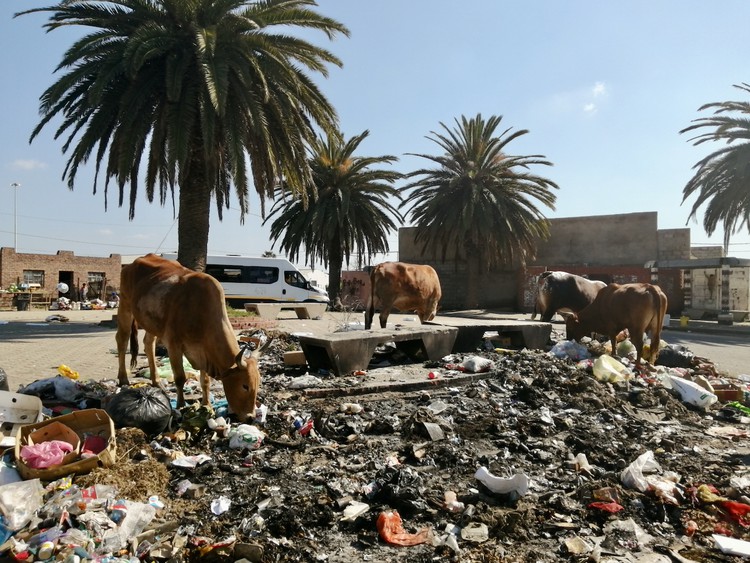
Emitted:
<point x="17" y="409"/>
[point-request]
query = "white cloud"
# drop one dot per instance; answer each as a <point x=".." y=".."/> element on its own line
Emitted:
<point x="590" y="108"/>
<point x="30" y="164"/>
<point x="599" y="89"/>
<point x="106" y="232"/>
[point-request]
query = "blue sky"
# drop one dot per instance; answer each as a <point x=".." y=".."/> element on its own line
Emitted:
<point x="603" y="88"/>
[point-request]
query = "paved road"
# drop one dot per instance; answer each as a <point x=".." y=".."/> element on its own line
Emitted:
<point x="729" y="352"/>
<point x="32" y="349"/>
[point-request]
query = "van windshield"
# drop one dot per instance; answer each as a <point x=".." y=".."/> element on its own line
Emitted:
<point x="295" y="279"/>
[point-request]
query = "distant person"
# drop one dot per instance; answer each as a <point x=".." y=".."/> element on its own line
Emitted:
<point x="83" y="292"/>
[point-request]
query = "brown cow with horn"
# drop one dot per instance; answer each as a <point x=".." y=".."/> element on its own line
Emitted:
<point x="186" y="310"/>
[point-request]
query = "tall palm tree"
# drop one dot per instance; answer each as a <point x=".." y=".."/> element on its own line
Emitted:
<point x="478" y="200"/>
<point x="722" y="179"/>
<point x="351" y="212"/>
<point x="194" y="88"/>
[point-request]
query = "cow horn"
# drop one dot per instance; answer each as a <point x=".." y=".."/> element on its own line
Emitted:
<point x="240" y="359"/>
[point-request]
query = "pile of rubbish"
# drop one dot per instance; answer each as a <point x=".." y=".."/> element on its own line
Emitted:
<point x="519" y="455"/>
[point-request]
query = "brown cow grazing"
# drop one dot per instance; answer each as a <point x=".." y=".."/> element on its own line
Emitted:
<point x="638" y="307"/>
<point x="561" y="291"/>
<point x="186" y="310"/>
<point x="406" y="287"/>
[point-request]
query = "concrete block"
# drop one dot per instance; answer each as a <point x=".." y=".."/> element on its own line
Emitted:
<point x="295" y="358"/>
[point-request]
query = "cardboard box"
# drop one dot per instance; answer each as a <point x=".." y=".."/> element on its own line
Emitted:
<point x="56" y="430"/>
<point x="16" y="410"/>
<point x="85" y="423"/>
<point x="728" y="392"/>
<point x="295" y="358"/>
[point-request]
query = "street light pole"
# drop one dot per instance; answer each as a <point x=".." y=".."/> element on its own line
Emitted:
<point x="15" y="186"/>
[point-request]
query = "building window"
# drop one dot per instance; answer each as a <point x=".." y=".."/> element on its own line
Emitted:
<point x="96" y="285"/>
<point x="34" y="278"/>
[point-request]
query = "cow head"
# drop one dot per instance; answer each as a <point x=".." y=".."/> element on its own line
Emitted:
<point x="241" y="385"/>
<point x="573" y="328"/>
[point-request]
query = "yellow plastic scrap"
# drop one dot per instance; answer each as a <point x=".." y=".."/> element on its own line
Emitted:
<point x="67" y="372"/>
<point x="706" y="495"/>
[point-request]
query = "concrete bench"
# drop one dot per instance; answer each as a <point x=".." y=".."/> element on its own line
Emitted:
<point x="345" y="352"/>
<point x="272" y="310"/>
<point x="519" y="334"/>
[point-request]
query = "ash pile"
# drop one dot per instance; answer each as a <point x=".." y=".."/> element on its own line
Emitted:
<point x="499" y="455"/>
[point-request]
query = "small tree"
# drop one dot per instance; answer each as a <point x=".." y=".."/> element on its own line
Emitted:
<point x="349" y="209"/>
<point x="479" y="200"/>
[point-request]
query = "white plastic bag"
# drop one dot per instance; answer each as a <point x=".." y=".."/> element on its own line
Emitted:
<point x="245" y="436"/>
<point x="633" y="475"/>
<point x="19" y="501"/>
<point x="692" y="393"/>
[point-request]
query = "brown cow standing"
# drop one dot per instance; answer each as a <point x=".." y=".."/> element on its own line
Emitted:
<point x="406" y="287"/>
<point x="638" y="307"/>
<point x="186" y="310"/>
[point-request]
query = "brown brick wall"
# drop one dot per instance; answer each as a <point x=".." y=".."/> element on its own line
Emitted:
<point x="64" y="265"/>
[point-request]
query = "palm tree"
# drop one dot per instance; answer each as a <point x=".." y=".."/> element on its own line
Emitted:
<point x="196" y="88"/>
<point x="722" y="179"/>
<point x="351" y="212"/>
<point x="479" y="201"/>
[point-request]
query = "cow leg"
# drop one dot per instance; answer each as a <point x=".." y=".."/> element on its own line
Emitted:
<point x="122" y="337"/>
<point x="175" y="360"/>
<point x="205" y="386"/>
<point x="149" y="343"/>
<point x="636" y="337"/>
<point x="369" y="314"/>
<point x="384" y="316"/>
<point x="613" y="343"/>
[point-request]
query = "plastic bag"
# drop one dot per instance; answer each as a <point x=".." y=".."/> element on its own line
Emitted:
<point x="570" y="349"/>
<point x="633" y="475"/>
<point x="675" y="356"/>
<point x="19" y="501"/>
<point x="245" y="436"/>
<point x="391" y="529"/>
<point x="147" y="408"/>
<point x="476" y="364"/>
<point x="4" y="380"/>
<point x="45" y="454"/>
<point x="692" y="393"/>
<point x="607" y="368"/>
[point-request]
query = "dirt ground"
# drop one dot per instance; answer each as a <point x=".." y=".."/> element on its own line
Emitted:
<point x="546" y="420"/>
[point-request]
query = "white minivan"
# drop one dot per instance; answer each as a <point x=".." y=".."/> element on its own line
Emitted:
<point x="247" y="279"/>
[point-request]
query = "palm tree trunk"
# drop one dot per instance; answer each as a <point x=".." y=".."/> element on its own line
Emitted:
<point x="193" y="221"/>
<point x="473" y="256"/>
<point x="335" y="261"/>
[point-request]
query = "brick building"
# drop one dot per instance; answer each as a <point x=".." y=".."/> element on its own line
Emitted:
<point x="43" y="272"/>
<point x="621" y="248"/>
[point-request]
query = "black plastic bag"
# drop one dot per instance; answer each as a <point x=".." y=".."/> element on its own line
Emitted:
<point x="146" y="407"/>
<point x="675" y="356"/>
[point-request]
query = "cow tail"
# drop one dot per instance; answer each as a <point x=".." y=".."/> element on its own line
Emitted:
<point x="370" y="313"/>
<point x="133" y="344"/>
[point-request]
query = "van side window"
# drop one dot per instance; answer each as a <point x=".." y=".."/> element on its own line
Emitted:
<point x="261" y="274"/>
<point x="230" y="274"/>
<point x="295" y="279"/>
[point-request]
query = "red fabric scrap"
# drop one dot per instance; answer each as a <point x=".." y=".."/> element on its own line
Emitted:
<point x="612" y="507"/>
<point x="391" y="529"/>
<point x="737" y="511"/>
